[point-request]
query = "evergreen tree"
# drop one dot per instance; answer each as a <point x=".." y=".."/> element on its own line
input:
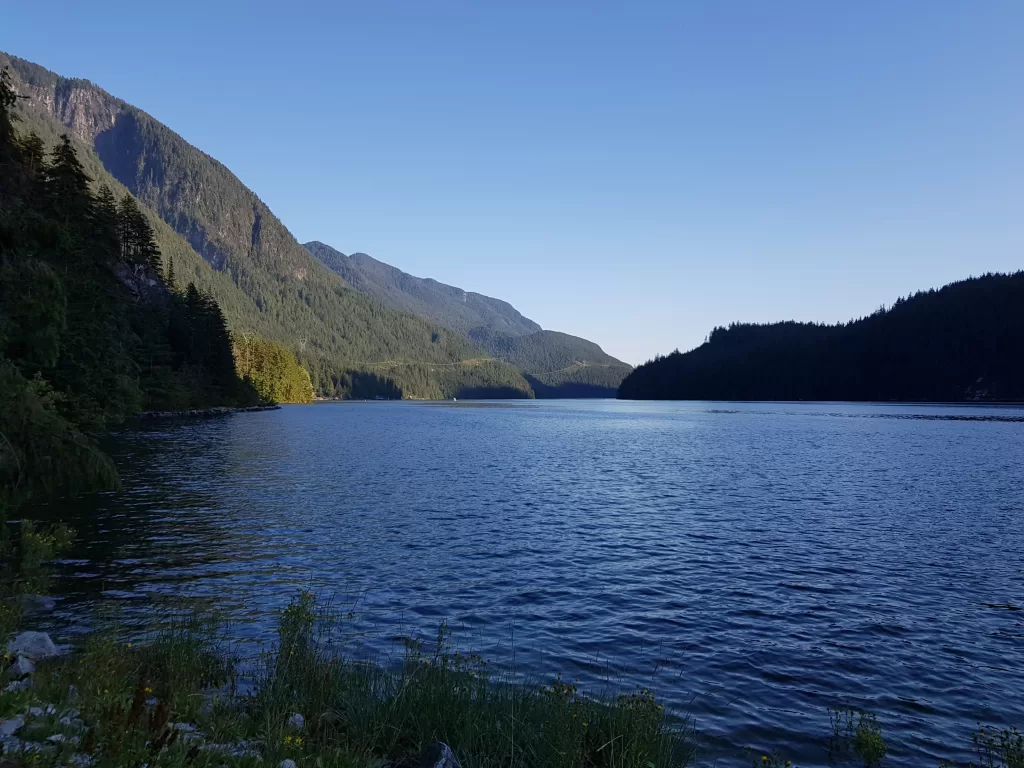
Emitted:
<point x="107" y="221"/>
<point x="171" y="284"/>
<point x="138" y="244"/>
<point x="66" y="185"/>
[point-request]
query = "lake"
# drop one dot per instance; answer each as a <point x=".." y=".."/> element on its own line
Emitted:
<point x="753" y="563"/>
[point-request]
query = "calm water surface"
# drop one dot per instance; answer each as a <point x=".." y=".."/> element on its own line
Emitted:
<point x="755" y="563"/>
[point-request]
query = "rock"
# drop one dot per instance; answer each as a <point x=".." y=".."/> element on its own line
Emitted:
<point x="78" y="760"/>
<point x="241" y="749"/>
<point x="34" y="645"/>
<point x="71" y="714"/>
<point x="36" y="603"/>
<point x="60" y="738"/>
<point x="438" y="755"/>
<point x="23" y="667"/>
<point x="18" y="685"/>
<point x="36" y="711"/>
<point x="296" y="722"/>
<point x="185" y="727"/>
<point x="11" y="726"/>
<point x="72" y="693"/>
<point x="287" y="764"/>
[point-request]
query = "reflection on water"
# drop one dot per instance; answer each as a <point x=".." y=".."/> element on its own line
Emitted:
<point x="756" y="562"/>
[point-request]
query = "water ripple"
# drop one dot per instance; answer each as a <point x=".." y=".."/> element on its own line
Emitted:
<point x="754" y="563"/>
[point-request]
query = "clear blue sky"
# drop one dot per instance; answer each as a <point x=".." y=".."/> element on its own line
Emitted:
<point x="635" y="173"/>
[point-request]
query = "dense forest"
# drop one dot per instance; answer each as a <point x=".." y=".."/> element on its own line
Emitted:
<point x="272" y="370"/>
<point x="963" y="342"/>
<point x="226" y="241"/>
<point x="93" y="327"/>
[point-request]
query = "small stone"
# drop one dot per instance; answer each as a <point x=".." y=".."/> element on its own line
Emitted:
<point x="152" y="702"/>
<point x="18" y="685"/>
<point x="184" y="727"/>
<point x="79" y="760"/>
<point x="296" y="722"/>
<point x="287" y="764"/>
<point x="22" y="667"/>
<point x="438" y="755"/>
<point x="72" y="693"/>
<point x="60" y="738"/>
<point x="36" y="711"/>
<point x="11" y="726"/>
<point x="71" y="713"/>
<point x="34" y="645"/>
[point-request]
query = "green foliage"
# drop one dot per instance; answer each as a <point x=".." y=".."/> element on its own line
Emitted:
<point x="440" y="694"/>
<point x="857" y="734"/>
<point x="271" y="370"/>
<point x="960" y="343"/>
<point x="999" y="748"/>
<point x="138" y="245"/>
<point x="26" y="553"/>
<point x="770" y="760"/>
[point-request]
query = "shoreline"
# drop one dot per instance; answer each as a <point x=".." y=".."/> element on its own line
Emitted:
<point x="201" y="413"/>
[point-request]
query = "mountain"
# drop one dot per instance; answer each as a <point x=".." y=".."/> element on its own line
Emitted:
<point x="454" y="308"/>
<point x="555" y="364"/>
<point x="219" y="235"/>
<point x="963" y="342"/>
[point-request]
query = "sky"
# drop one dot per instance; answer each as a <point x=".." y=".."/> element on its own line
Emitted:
<point x="636" y="173"/>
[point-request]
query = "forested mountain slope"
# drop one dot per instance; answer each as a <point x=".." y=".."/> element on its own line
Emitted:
<point x="90" y="330"/>
<point x="963" y="342"/>
<point x="555" y="364"/>
<point x="223" y="237"/>
<point x="454" y="308"/>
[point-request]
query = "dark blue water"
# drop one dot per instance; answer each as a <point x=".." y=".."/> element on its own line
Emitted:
<point x="753" y="563"/>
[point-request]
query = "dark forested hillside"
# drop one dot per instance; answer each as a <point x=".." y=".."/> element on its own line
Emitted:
<point x="220" y="235"/>
<point x="555" y="364"/>
<point x="92" y="326"/>
<point x="963" y="342"/>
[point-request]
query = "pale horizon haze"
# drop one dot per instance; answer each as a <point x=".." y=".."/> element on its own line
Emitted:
<point x="633" y="173"/>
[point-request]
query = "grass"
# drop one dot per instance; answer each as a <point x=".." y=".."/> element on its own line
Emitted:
<point x="129" y="696"/>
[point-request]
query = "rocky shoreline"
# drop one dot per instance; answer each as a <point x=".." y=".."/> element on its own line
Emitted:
<point x="202" y="413"/>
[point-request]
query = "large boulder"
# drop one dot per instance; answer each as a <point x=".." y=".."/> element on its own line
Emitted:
<point x="33" y="646"/>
